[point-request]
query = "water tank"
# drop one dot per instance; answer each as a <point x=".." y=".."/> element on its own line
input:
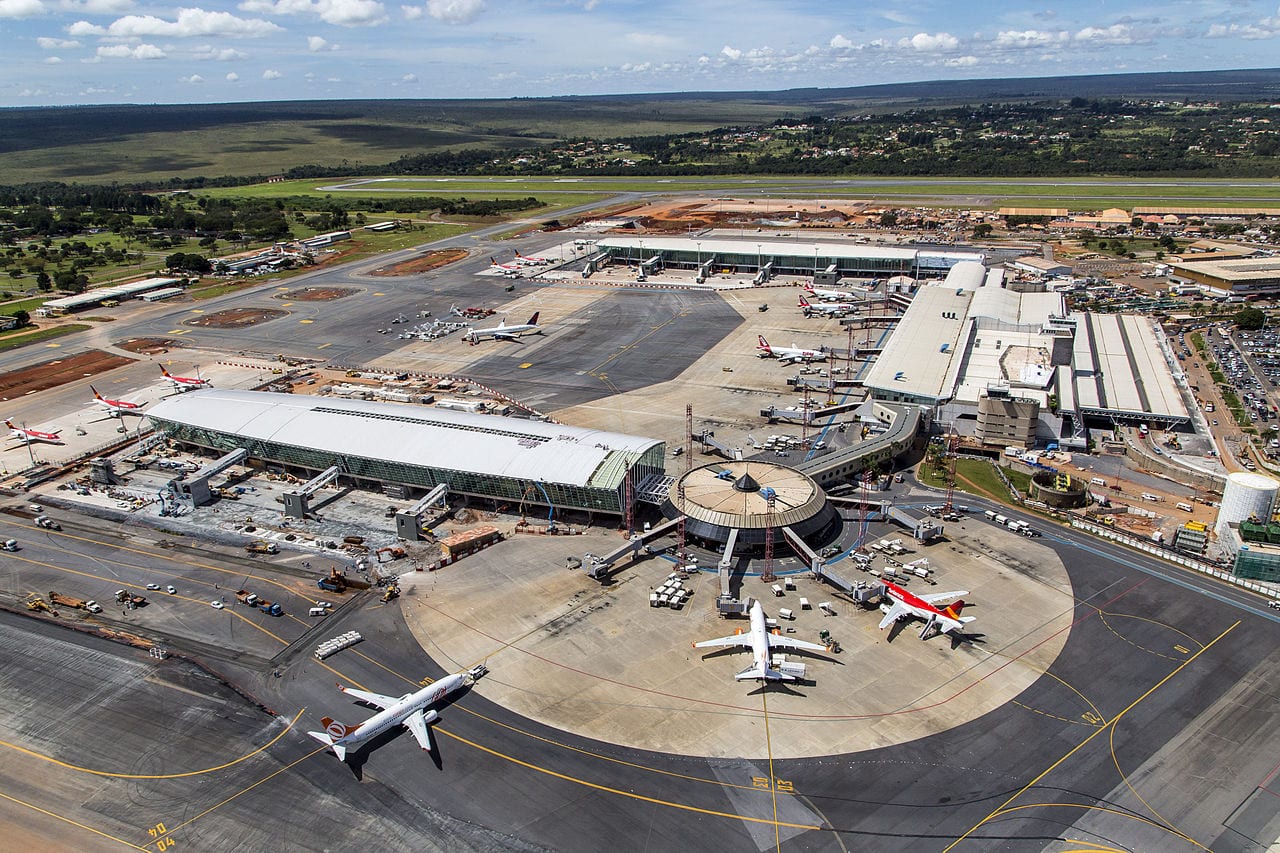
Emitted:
<point x="1247" y="494"/>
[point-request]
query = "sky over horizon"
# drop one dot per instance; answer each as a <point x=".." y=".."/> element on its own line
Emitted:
<point x="130" y="51"/>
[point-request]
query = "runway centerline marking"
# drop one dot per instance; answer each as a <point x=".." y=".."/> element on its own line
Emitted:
<point x="1001" y="809"/>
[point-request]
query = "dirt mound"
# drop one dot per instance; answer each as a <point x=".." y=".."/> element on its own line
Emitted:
<point x="238" y="318"/>
<point x="422" y="263"/>
<point x="317" y="294"/>
<point x="58" y="371"/>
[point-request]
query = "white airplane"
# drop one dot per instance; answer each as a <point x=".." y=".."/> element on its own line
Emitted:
<point x="760" y="641"/>
<point x="409" y="710"/>
<point x="503" y="332"/>
<point x="116" y="408"/>
<point x="29" y="435"/>
<point x="904" y="605"/>
<point x="789" y="354"/>
<point x="531" y="261"/>
<point x="184" y="383"/>
<point x="837" y="310"/>
<point x="828" y="295"/>
<point x="505" y="269"/>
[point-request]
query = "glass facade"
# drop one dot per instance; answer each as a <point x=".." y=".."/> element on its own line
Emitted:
<point x="603" y="494"/>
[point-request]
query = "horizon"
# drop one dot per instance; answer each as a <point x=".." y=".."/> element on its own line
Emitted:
<point x="102" y="52"/>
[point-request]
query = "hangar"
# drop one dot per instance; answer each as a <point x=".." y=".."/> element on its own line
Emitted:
<point x="403" y="449"/>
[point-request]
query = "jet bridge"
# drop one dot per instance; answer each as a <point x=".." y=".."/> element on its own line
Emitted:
<point x="595" y="263"/>
<point x="652" y="265"/>
<point x="707" y="439"/>
<point x="601" y="566"/>
<point x="766" y="273"/>
<point x="726" y="604"/>
<point x="705" y="269"/>
<point x="409" y="523"/>
<point x="196" y="487"/>
<point x="297" y="503"/>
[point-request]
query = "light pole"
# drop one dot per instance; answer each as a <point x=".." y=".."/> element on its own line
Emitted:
<point x="698" y="243"/>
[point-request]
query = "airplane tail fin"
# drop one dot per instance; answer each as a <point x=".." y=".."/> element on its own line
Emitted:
<point x="9" y="424"/>
<point x="533" y="321"/>
<point x="804" y="303"/>
<point x="163" y="372"/>
<point x="763" y="344"/>
<point x="953" y="610"/>
<point x="96" y="395"/>
<point x="326" y="739"/>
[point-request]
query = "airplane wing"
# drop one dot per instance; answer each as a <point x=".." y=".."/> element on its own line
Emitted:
<point x="735" y="640"/>
<point x="943" y="596"/>
<point x="378" y="699"/>
<point x="777" y="642"/>
<point x="417" y="724"/>
<point x="896" y="612"/>
<point x="788" y="359"/>
<point x="503" y="336"/>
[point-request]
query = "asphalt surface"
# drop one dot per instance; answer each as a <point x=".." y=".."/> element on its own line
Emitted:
<point x="1151" y="662"/>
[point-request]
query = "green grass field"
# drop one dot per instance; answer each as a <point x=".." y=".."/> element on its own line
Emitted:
<point x="22" y="339"/>
<point x="973" y="476"/>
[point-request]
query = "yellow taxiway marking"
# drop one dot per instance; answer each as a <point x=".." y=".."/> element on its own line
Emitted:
<point x="379" y="294"/>
<point x="526" y="365"/>
<point x="1001" y="809"/>
<point x="53" y="346"/>
<point x="111" y="775"/>
<point x="72" y="822"/>
<point x="1096" y="808"/>
<point x="322" y="346"/>
<point x="773" y="788"/>
<point x="306" y="321"/>
<point x="287" y="304"/>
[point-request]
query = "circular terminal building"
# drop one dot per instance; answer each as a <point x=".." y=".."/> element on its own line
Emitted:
<point x="722" y="497"/>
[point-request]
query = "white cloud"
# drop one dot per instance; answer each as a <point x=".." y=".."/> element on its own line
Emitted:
<point x="1030" y="38"/>
<point x="412" y="13"/>
<point x="194" y="78"/>
<point x="961" y="61"/>
<point x="56" y="44"/>
<point x="315" y="44"/>
<point x="96" y="7"/>
<point x="190" y="22"/>
<point x="731" y="53"/>
<point x="1114" y="34"/>
<point x="1266" y="28"/>
<point x="271" y="74"/>
<point x="53" y="60"/>
<point x="455" y="11"/>
<point x="232" y="76"/>
<point x="216" y="54"/>
<point x="21" y="8"/>
<point x="839" y="42"/>
<point x="590" y="4"/>
<point x="409" y="78"/>
<point x="930" y="42"/>
<point x="124" y="51"/>
<point x="341" y="13"/>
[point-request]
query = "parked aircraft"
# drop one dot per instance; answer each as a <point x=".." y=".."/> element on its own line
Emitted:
<point x="116" y="408"/>
<point x="409" y="710"/>
<point x="505" y="269"/>
<point x="827" y="310"/>
<point x="828" y="295"/>
<point x="29" y="435"/>
<point x="790" y="354"/>
<point x="903" y="604"/>
<point x="184" y="383"/>
<point x="503" y="332"/>
<point x="526" y="260"/>
<point x="761" y="642"/>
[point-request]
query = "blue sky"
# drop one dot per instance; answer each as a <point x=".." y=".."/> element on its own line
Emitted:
<point x="134" y="51"/>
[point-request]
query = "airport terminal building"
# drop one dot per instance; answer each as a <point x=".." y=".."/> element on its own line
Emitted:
<point x="394" y="447"/>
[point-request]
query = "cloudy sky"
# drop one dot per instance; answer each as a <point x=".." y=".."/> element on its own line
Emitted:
<point x="135" y="51"/>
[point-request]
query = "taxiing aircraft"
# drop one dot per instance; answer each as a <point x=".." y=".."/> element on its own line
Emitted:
<point x="903" y="604"/>
<point x="116" y="408"/>
<point x="503" y="332"/>
<point x="825" y="310"/>
<point x="184" y="383"/>
<point x="828" y="295"/>
<point x="409" y="710"/>
<point x="29" y="435"/>
<point x="790" y="354"/>
<point x="761" y="642"/>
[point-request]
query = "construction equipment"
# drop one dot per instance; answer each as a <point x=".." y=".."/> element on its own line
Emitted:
<point x="386" y="555"/>
<point x="77" y="603"/>
<point x="391" y="592"/>
<point x="832" y="644"/>
<point x="47" y="523"/>
<point x="129" y="599"/>
<point x="36" y="604"/>
<point x="336" y="581"/>
<point x="262" y="546"/>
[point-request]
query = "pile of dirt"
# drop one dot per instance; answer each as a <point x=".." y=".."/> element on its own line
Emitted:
<point x="58" y="371"/>
<point x="237" y="318"/>
<point x="150" y="346"/>
<point x="317" y="294"/>
<point x="422" y="263"/>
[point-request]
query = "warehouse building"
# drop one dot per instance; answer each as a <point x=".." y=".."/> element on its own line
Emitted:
<point x="405" y="450"/>
<point x="1233" y="277"/>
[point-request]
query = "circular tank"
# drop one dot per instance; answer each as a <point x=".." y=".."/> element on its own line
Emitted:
<point x="1059" y="490"/>
<point x="1247" y="495"/>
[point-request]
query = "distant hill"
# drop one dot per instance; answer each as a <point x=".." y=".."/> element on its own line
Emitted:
<point x="98" y="144"/>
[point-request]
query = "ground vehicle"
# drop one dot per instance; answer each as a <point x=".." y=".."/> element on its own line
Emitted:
<point x="170" y="589"/>
<point x="47" y="523"/>
<point x="10" y="545"/>
<point x="270" y="608"/>
<point x="216" y="605"/>
<point x="153" y="586"/>
<point x="129" y="599"/>
<point x="262" y="546"/>
<point x="77" y="603"/>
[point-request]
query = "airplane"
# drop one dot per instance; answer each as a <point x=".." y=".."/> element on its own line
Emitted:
<point x="116" y="408"/>
<point x="29" y="435"/>
<point x="839" y="310"/>
<point x="506" y="269"/>
<point x="409" y="710"/>
<point x="531" y="261"/>
<point x="828" y="295"/>
<point x="184" y="383"/>
<point x="503" y="332"/>
<point x="761" y="642"/>
<point x="944" y="620"/>
<point x="789" y="354"/>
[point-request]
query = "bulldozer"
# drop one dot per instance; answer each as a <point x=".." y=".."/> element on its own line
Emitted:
<point x="37" y="604"/>
<point x="391" y="592"/>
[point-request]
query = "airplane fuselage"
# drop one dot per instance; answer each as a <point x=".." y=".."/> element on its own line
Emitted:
<point x="397" y="713"/>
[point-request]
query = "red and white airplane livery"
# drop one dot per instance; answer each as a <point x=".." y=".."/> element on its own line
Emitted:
<point x="903" y="604"/>
<point x="184" y="383"/>
<point x="29" y="435"/>
<point x="115" y="408"/>
<point x="789" y="354"/>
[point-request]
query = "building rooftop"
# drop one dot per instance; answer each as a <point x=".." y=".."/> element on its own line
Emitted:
<point x="414" y="435"/>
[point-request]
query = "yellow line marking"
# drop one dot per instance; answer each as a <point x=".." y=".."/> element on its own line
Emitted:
<point x="773" y="785"/>
<point x="628" y="794"/>
<point x="323" y="346"/>
<point x="266" y="778"/>
<point x="1102" y="614"/>
<point x="72" y="822"/>
<point x="1088" y="807"/>
<point x="1111" y="743"/>
<point x="53" y="346"/>
<point x="92" y="772"/>
<point x="1000" y="809"/>
<point x="306" y="321"/>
